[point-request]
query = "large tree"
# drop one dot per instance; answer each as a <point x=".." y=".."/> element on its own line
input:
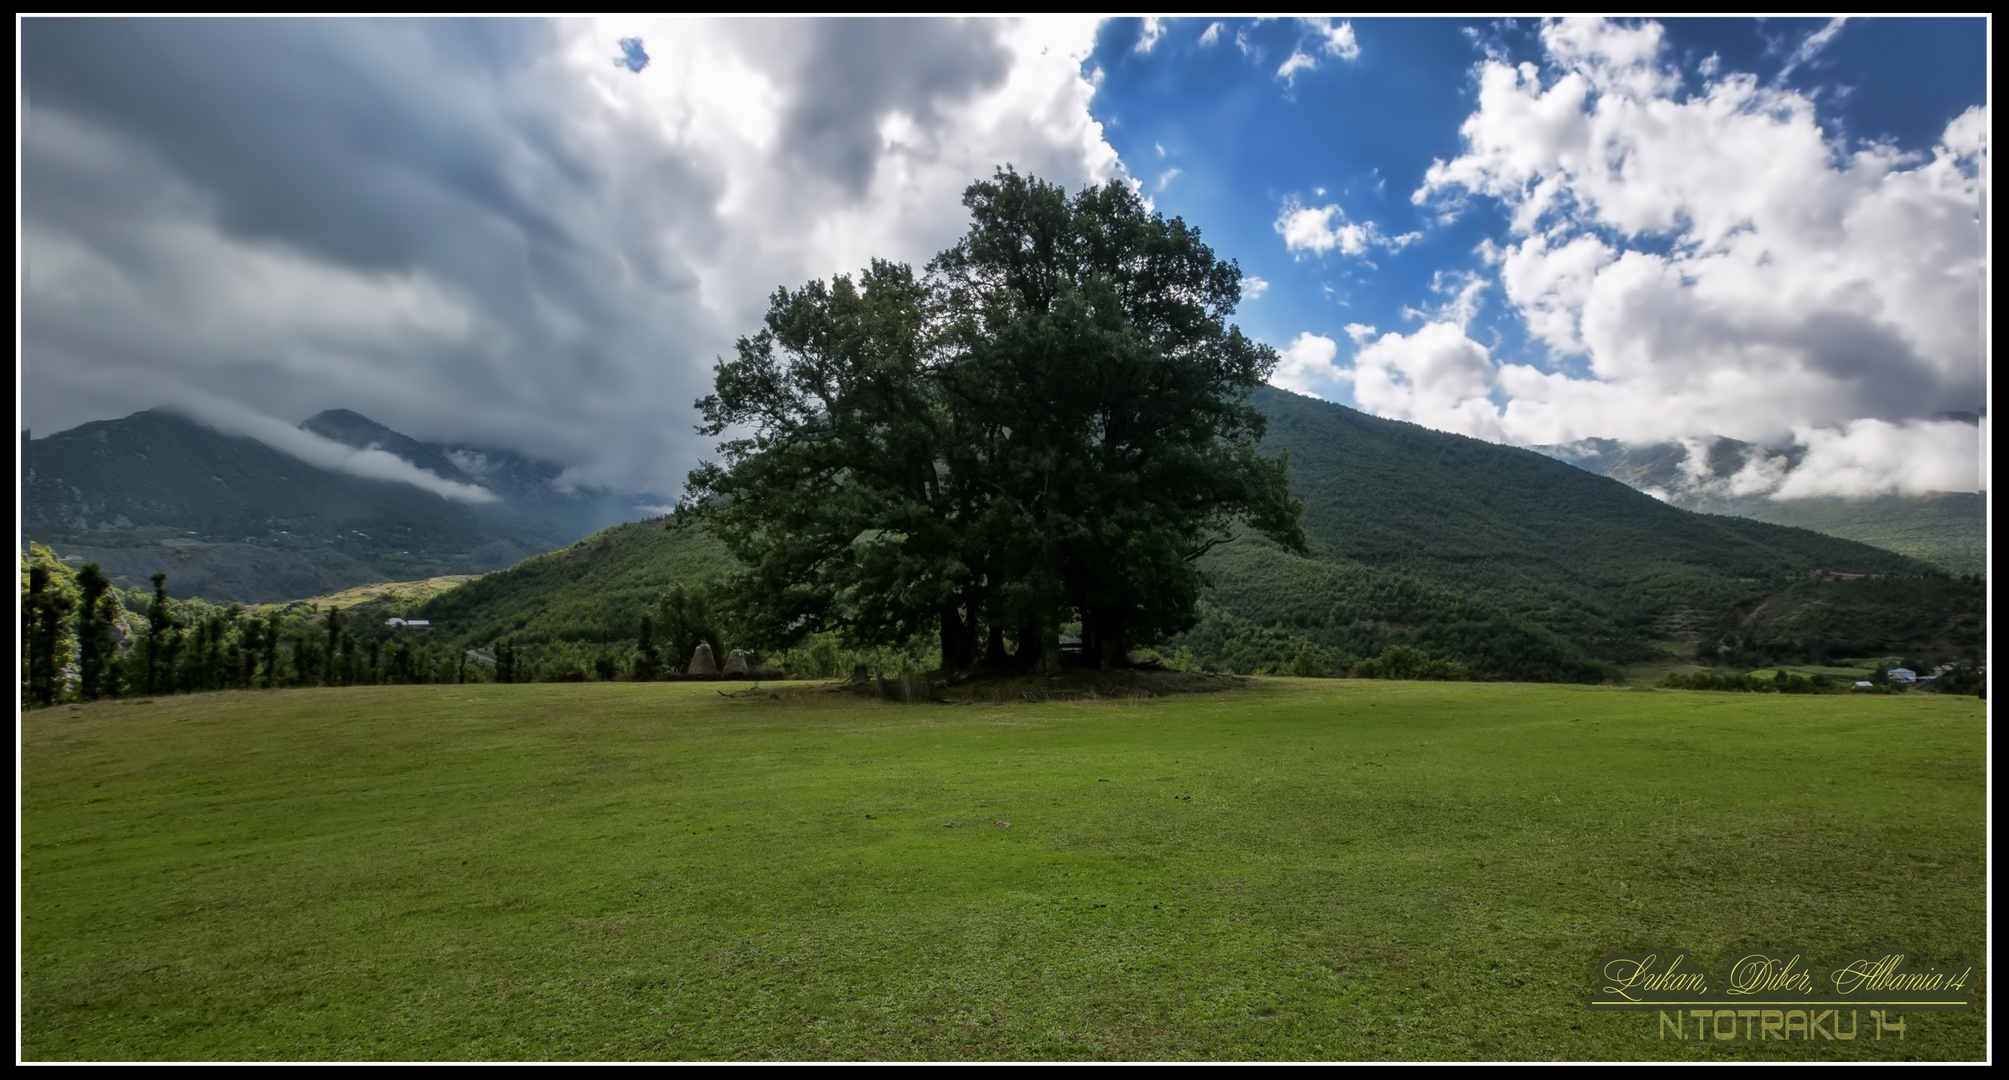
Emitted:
<point x="1052" y="425"/>
<point x="1090" y="336"/>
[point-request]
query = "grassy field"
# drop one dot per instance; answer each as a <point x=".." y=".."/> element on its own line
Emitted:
<point x="1295" y="870"/>
<point x="400" y="593"/>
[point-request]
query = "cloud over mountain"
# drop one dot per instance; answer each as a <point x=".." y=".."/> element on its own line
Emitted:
<point x="527" y="234"/>
<point x="1707" y="261"/>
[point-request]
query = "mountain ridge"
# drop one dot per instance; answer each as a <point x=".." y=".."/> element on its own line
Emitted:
<point x="1946" y="528"/>
<point x="253" y="524"/>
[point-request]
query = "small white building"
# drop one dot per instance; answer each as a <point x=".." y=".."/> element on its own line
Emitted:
<point x="1902" y="675"/>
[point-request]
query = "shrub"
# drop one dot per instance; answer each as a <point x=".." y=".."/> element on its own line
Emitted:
<point x="1307" y="664"/>
<point x="1408" y="662"/>
<point x="1779" y="682"/>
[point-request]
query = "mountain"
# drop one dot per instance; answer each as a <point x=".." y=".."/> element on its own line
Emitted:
<point x="1511" y="562"/>
<point x="1946" y="528"/>
<point x="229" y="518"/>
<point x="532" y="506"/>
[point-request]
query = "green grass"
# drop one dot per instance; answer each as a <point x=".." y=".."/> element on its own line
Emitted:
<point x="1297" y="870"/>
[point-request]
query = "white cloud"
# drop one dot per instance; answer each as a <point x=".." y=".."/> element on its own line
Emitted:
<point x="1613" y="55"/>
<point x="1297" y="61"/>
<point x="374" y="464"/>
<point x="1460" y="290"/>
<point x="1306" y="365"/>
<point x="1549" y="286"/>
<point x="1147" y="37"/>
<point x="1809" y="48"/>
<point x="1167" y="177"/>
<point x="1864" y="458"/>
<point x="471" y="462"/>
<point x="1211" y="34"/>
<point x="1437" y="377"/>
<point x="1253" y="287"/>
<point x="1036" y="117"/>
<point x="1320" y="229"/>
<point x="1336" y="40"/>
<point x="1722" y="267"/>
<point x="1870" y="457"/>
<point x="1324" y="37"/>
<point x="1761" y="472"/>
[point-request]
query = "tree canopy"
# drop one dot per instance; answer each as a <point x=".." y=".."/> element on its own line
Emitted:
<point x="1050" y="425"/>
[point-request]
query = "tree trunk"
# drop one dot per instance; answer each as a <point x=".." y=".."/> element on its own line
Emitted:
<point x="958" y="639"/>
<point x="1049" y="648"/>
<point x="1048" y="580"/>
<point x="1111" y="642"/>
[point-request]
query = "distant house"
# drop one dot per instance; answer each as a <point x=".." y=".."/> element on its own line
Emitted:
<point x="408" y="624"/>
<point x="1902" y="675"/>
<point x="1864" y="684"/>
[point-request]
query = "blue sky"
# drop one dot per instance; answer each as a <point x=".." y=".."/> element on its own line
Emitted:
<point x="1362" y="132"/>
<point x="1217" y="136"/>
<point x="539" y="235"/>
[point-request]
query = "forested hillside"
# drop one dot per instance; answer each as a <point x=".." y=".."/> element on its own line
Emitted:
<point x="590" y="592"/>
<point x="1935" y="616"/>
<point x="1946" y="528"/>
<point x="1271" y="609"/>
<point x="1606" y="566"/>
